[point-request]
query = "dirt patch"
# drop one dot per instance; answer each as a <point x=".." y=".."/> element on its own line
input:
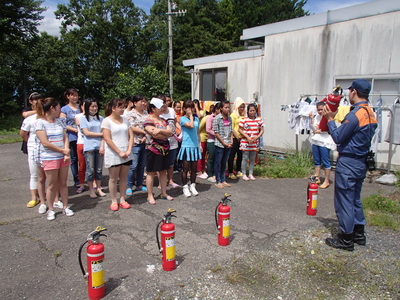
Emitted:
<point x="303" y="267"/>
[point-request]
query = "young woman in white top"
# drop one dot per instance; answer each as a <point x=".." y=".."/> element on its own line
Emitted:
<point x="28" y="134"/>
<point x="322" y="144"/>
<point x="118" y="151"/>
<point x="79" y="152"/>
<point x="54" y="153"/>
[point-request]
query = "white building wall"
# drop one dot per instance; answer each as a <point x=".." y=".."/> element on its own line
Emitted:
<point x="309" y="61"/>
<point x="242" y="77"/>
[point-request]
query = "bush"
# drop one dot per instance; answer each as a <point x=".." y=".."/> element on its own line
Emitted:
<point x="10" y="124"/>
<point x="291" y="165"/>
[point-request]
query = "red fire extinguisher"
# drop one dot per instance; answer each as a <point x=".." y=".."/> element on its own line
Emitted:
<point x="333" y="101"/>
<point x="222" y="220"/>
<point x="167" y="247"/>
<point x="312" y="196"/>
<point x="95" y="259"/>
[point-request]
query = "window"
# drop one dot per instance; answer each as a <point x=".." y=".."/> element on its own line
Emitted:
<point x="213" y="84"/>
<point x="386" y="89"/>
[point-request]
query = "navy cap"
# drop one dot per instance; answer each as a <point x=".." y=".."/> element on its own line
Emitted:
<point x="361" y="85"/>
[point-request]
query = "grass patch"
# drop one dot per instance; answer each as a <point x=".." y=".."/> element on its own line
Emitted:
<point x="383" y="211"/>
<point x="216" y="268"/>
<point x="397" y="173"/>
<point x="10" y="139"/>
<point x="291" y="165"/>
<point x="381" y="203"/>
<point x="9" y="129"/>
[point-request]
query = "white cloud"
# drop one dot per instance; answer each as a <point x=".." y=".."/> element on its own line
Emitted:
<point x="50" y="24"/>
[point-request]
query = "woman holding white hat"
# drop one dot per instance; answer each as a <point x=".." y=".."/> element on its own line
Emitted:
<point x="157" y="149"/>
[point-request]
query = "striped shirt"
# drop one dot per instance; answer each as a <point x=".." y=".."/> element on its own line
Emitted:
<point x="55" y="135"/>
<point x="250" y="127"/>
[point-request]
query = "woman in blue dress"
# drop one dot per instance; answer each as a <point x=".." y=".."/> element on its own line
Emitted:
<point x="190" y="151"/>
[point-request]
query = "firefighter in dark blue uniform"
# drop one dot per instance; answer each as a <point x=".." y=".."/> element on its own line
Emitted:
<point x="353" y="138"/>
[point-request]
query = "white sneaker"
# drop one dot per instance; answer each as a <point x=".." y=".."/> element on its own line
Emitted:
<point x="51" y="215"/>
<point x="203" y="176"/>
<point x="68" y="212"/>
<point x="58" y="204"/>
<point x="42" y="209"/>
<point x="186" y="191"/>
<point x="193" y="189"/>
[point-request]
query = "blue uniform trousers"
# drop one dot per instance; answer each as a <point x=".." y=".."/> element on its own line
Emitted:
<point x="349" y="176"/>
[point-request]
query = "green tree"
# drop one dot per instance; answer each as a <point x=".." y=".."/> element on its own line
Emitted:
<point x="209" y="27"/>
<point x="147" y="82"/>
<point x="52" y="66"/>
<point x="247" y="14"/>
<point x="106" y="39"/>
<point x="18" y="28"/>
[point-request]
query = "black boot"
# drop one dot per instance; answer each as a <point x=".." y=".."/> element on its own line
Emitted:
<point x="343" y="241"/>
<point x="359" y="236"/>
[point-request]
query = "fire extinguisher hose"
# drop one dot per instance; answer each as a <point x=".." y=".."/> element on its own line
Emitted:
<point x="216" y="215"/>
<point x="80" y="258"/>
<point x="158" y="238"/>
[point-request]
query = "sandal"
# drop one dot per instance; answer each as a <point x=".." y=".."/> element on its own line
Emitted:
<point x="125" y="205"/>
<point x="32" y="203"/>
<point x="80" y="190"/>
<point x="100" y="193"/>
<point x="152" y="202"/>
<point x="169" y="198"/>
<point x="174" y="185"/>
<point x="324" y="185"/>
<point x="114" y="206"/>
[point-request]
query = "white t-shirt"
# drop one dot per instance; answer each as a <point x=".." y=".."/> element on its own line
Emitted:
<point x="80" y="134"/>
<point x="120" y="137"/>
<point x="28" y="125"/>
<point x="322" y="139"/>
<point x="170" y="117"/>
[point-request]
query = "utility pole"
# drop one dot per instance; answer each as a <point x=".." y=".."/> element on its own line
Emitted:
<point x="171" y="7"/>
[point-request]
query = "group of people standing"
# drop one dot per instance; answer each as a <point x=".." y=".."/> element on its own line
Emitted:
<point x="135" y="137"/>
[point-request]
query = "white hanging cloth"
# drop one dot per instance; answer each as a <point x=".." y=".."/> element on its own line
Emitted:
<point x="395" y="119"/>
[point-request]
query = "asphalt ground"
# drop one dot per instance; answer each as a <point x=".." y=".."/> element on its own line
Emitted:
<point x="38" y="258"/>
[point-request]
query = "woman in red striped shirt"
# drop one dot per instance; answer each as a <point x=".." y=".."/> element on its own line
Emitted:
<point x="251" y="128"/>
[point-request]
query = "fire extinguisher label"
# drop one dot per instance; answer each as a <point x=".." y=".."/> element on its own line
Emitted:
<point x="226" y="229"/>
<point x="170" y="248"/>
<point x="97" y="274"/>
<point x="314" y="201"/>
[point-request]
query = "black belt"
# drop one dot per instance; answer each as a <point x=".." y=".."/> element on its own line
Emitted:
<point x="352" y="155"/>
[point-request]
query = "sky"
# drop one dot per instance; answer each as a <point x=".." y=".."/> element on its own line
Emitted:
<point x="51" y="25"/>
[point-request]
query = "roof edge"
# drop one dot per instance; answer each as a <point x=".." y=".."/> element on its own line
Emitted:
<point x="363" y="10"/>
<point x="223" y="57"/>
